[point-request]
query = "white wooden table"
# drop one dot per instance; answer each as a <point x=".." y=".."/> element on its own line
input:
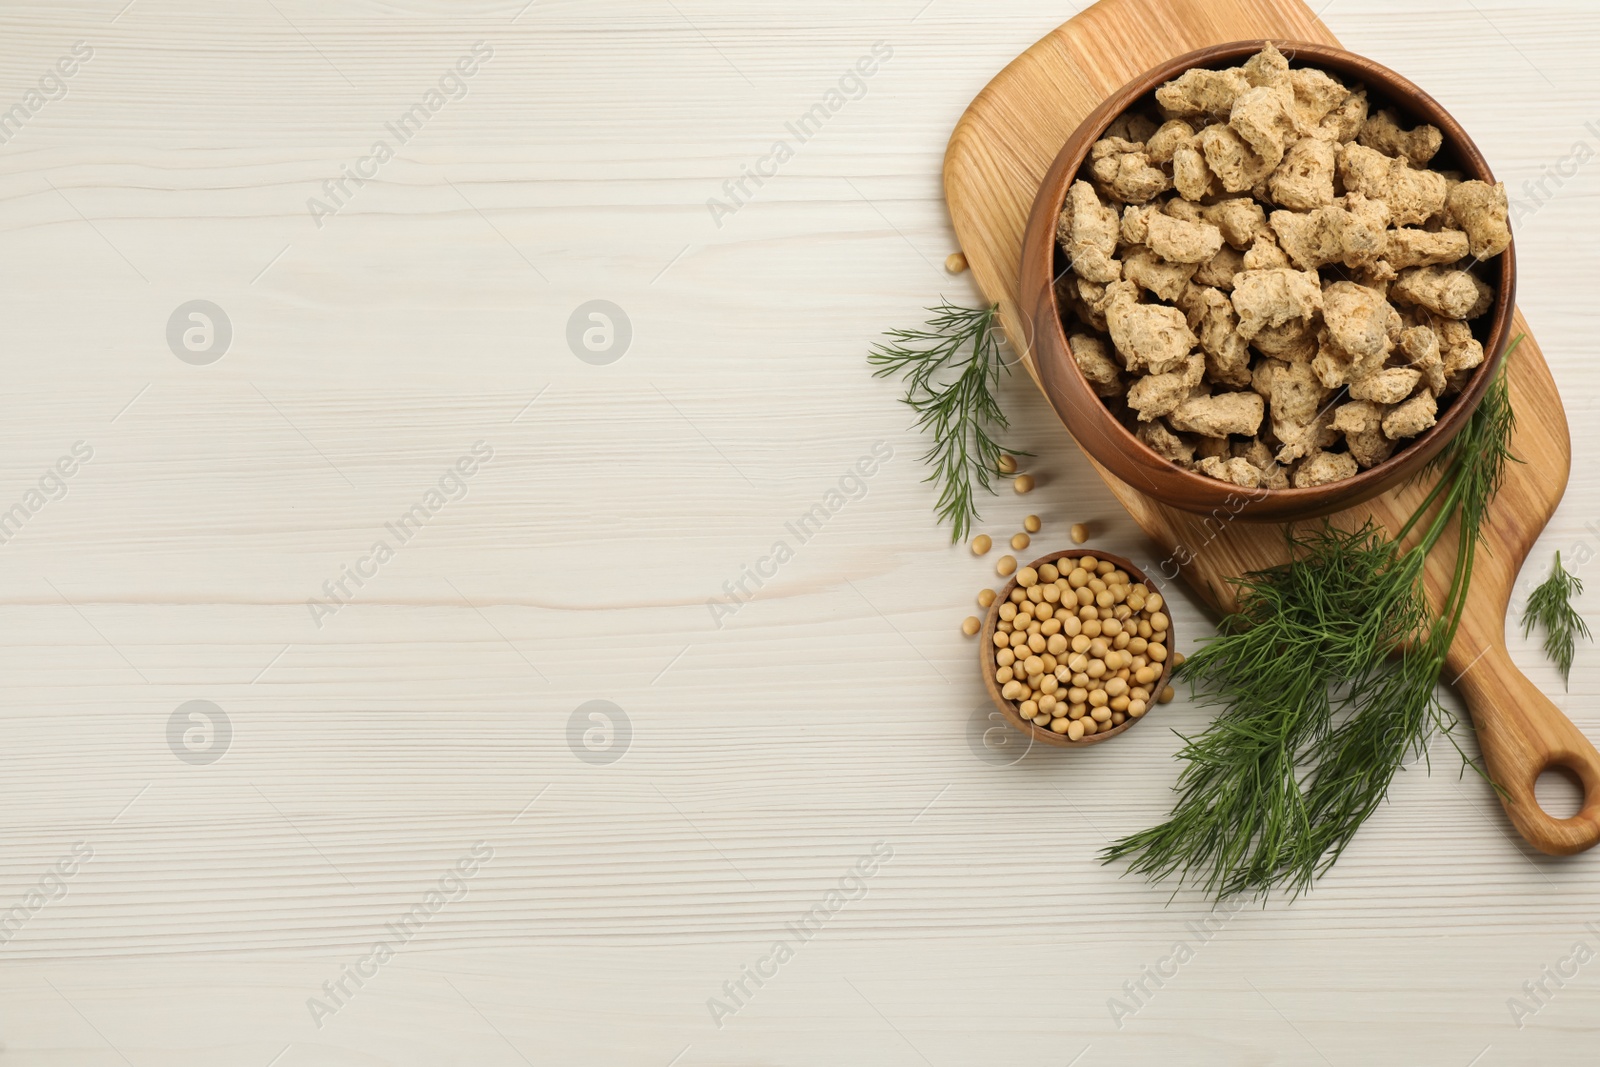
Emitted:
<point x="232" y="863"/>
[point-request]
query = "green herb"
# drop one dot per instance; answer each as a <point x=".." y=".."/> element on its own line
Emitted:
<point x="951" y="370"/>
<point x="1550" y="607"/>
<point x="1326" y="676"/>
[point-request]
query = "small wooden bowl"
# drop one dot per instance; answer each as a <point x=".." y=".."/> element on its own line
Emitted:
<point x="986" y="653"/>
<point x="1097" y="430"/>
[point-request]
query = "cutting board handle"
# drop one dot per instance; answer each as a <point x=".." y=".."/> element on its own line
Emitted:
<point x="1522" y="734"/>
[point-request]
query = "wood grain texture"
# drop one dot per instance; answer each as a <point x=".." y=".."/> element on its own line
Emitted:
<point x="832" y="711"/>
<point x="1003" y="147"/>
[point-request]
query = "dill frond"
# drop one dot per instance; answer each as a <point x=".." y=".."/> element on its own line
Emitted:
<point x="1550" y="608"/>
<point x="1326" y="676"/>
<point x="952" y="369"/>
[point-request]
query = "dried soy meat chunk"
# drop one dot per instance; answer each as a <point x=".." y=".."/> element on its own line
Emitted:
<point x="1324" y="468"/>
<point x="1149" y="337"/>
<point x="1155" y="395"/>
<point x="1219" y="415"/>
<point x="1235" y="471"/>
<point x="1455" y="294"/>
<point x="1480" y="209"/>
<point x="1087" y="232"/>
<point x="1384" y="133"/>
<point x="1264" y="298"/>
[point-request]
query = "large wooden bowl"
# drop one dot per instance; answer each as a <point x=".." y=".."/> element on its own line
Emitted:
<point x="1096" y="428"/>
<point x="1008" y="709"/>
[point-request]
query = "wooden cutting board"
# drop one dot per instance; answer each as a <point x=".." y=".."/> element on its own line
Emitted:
<point x="997" y="157"/>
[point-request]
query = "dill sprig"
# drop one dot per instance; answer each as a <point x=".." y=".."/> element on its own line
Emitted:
<point x="1301" y="629"/>
<point x="952" y="368"/>
<point x="1326" y="677"/>
<point x="1550" y="608"/>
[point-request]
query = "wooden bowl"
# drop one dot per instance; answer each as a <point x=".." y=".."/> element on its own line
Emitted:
<point x="1097" y="430"/>
<point x="986" y="652"/>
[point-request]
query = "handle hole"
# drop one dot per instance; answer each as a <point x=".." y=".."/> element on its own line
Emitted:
<point x="1559" y="792"/>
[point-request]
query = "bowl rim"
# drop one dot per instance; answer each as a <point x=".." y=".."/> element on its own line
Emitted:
<point x="986" y="652"/>
<point x="1394" y="90"/>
